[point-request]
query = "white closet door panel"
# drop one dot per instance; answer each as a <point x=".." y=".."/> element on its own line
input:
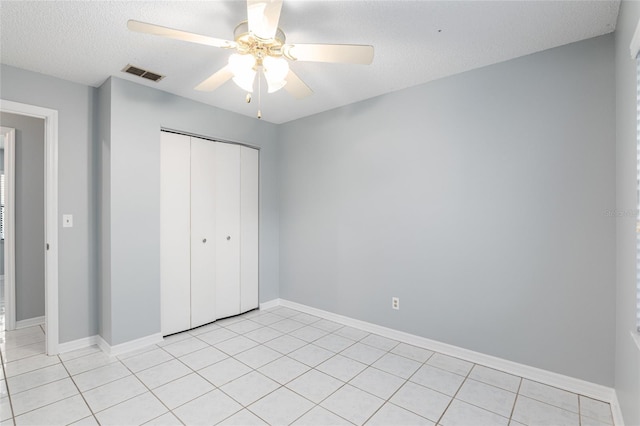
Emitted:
<point x="174" y="233"/>
<point x="203" y="238"/>
<point x="249" y="222"/>
<point x="227" y="170"/>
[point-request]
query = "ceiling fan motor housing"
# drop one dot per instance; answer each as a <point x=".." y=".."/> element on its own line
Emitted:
<point x="249" y="43"/>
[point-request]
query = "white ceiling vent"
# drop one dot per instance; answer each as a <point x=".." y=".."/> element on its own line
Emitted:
<point x="149" y="75"/>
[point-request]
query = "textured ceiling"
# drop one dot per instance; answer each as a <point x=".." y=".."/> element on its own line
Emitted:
<point x="415" y="42"/>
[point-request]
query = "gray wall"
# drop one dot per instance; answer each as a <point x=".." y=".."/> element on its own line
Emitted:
<point x="76" y="155"/>
<point x="479" y="200"/>
<point x="627" y="359"/>
<point x="137" y="115"/>
<point x="29" y="214"/>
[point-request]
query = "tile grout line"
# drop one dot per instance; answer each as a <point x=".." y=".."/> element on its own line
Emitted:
<point x="554" y="405"/>
<point x="579" y="412"/>
<point x="31" y="371"/>
<point x="123" y="401"/>
<point x="408" y="380"/>
<point x="388" y="400"/>
<point x="53" y="402"/>
<point x="25" y="358"/>
<point x="13" y="348"/>
<point x="115" y="359"/>
<point x="164" y="414"/>
<point x="148" y="390"/>
<point x="317" y="404"/>
<point x="456" y="394"/>
<point x="493" y="386"/>
<point x="79" y="391"/>
<point x="515" y="401"/>
<point x="22" y="346"/>
<point x="49" y="404"/>
<point x="101" y="384"/>
<point x="563" y="390"/>
<point x="6" y="383"/>
<point x="281" y="386"/>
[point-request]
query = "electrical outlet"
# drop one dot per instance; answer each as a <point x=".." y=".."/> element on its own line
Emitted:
<point x="395" y="303"/>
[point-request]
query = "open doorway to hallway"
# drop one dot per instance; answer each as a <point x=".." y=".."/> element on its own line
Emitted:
<point x="22" y="220"/>
<point x="49" y="216"/>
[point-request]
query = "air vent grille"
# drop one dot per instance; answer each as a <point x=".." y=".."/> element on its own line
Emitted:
<point x="149" y="75"/>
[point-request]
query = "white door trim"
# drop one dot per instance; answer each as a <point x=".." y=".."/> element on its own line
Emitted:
<point x="50" y="117"/>
<point x="9" y="260"/>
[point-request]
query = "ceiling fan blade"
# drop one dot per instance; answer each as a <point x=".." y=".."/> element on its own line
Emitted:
<point x="216" y="80"/>
<point x="143" y="27"/>
<point x="296" y="87"/>
<point x="263" y="17"/>
<point x="343" y="53"/>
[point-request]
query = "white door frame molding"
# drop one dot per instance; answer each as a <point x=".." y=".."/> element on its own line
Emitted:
<point x="50" y="117"/>
<point x="9" y="137"/>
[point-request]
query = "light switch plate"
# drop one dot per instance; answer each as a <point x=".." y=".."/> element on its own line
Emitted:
<point x="67" y="221"/>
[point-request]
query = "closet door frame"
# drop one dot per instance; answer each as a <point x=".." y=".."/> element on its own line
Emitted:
<point x="246" y="301"/>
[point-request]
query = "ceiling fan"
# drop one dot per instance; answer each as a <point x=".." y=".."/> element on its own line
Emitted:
<point x="260" y="47"/>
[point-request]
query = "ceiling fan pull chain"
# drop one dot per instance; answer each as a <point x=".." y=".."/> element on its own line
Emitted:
<point x="259" y="96"/>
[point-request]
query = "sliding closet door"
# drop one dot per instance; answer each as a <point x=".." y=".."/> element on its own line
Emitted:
<point x="249" y="207"/>
<point x="227" y="212"/>
<point x="175" y="268"/>
<point x="203" y="231"/>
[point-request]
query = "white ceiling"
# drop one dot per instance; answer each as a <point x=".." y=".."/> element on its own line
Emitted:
<point x="415" y="42"/>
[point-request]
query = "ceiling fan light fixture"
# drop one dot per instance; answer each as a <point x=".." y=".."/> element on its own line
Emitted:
<point x="261" y="48"/>
<point x="275" y="72"/>
<point x="274" y="86"/>
<point x="245" y="82"/>
<point x="242" y="68"/>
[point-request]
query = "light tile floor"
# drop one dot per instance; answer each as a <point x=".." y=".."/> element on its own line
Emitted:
<point x="275" y="367"/>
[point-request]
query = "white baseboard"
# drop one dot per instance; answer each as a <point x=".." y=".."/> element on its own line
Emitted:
<point x="270" y="304"/>
<point x="132" y="345"/>
<point x="30" y="322"/>
<point x="73" y="345"/>
<point x="616" y="411"/>
<point x="581" y="387"/>
<point x="129" y="346"/>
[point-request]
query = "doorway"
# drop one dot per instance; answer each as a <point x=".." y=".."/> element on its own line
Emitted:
<point x="7" y="240"/>
<point x="50" y="245"/>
